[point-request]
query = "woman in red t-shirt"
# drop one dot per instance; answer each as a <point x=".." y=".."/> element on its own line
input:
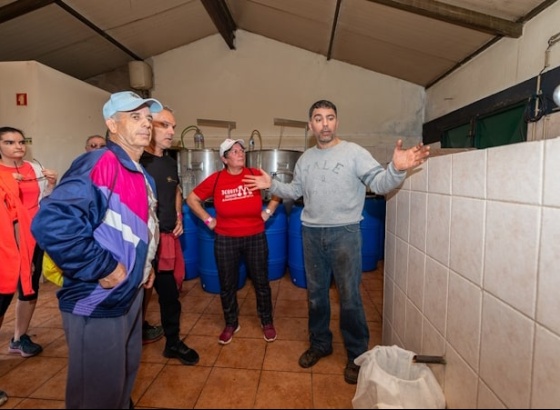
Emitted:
<point x="240" y="231"/>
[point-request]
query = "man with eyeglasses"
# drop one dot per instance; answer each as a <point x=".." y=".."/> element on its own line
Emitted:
<point x="100" y="227"/>
<point x="28" y="182"/>
<point x="94" y="142"/>
<point x="169" y="264"/>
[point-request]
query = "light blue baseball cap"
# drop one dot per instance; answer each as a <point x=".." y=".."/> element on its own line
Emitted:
<point x="128" y="101"/>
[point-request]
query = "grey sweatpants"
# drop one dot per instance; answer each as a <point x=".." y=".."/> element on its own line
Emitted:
<point x="103" y="358"/>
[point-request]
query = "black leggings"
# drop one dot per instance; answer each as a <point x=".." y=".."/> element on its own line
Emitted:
<point x="6" y="299"/>
<point x="169" y="304"/>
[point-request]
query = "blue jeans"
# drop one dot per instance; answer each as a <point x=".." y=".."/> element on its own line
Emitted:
<point x="337" y="252"/>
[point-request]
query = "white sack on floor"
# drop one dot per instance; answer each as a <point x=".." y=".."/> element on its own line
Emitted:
<point x="389" y="379"/>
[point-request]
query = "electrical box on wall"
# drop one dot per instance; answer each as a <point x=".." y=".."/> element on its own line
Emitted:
<point x="140" y="75"/>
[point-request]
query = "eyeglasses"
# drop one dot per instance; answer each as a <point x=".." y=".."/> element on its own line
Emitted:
<point x="163" y="124"/>
<point x="24" y="179"/>
<point x="236" y="151"/>
<point x="96" y="146"/>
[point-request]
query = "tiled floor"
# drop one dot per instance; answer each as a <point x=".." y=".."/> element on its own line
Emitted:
<point x="247" y="373"/>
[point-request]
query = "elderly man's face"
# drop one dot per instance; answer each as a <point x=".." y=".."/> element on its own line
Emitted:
<point x="133" y="129"/>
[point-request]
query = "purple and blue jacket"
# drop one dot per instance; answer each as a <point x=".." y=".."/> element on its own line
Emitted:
<point x="96" y="217"/>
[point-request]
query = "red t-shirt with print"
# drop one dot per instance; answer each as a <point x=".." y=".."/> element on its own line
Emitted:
<point x="238" y="209"/>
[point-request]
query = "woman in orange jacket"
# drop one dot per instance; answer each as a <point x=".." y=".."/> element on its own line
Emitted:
<point x="24" y="184"/>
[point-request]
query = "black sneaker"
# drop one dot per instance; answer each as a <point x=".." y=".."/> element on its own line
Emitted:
<point x="150" y="333"/>
<point x="351" y="372"/>
<point x="311" y="356"/>
<point x="181" y="351"/>
<point x="3" y="397"/>
<point x="25" y="347"/>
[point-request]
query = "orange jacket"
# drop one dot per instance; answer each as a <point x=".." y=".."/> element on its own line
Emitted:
<point x="16" y="256"/>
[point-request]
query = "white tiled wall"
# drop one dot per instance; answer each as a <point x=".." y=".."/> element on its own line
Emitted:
<point x="472" y="272"/>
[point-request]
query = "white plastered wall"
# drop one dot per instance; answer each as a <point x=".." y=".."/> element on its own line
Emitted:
<point x="61" y="111"/>
<point x="264" y="79"/>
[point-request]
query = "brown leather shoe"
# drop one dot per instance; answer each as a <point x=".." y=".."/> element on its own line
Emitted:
<point x="311" y="356"/>
<point x="351" y="372"/>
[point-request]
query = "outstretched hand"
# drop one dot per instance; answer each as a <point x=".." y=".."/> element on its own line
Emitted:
<point x="254" y="182"/>
<point x="404" y="159"/>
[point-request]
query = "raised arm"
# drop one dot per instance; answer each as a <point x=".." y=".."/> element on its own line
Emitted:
<point x="404" y="159"/>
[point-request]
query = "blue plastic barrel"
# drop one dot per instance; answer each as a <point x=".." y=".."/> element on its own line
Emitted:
<point x="276" y="230"/>
<point x="373" y="232"/>
<point x="295" y="247"/>
<point x="189" y="243"/>
<point x="207" y="269"/>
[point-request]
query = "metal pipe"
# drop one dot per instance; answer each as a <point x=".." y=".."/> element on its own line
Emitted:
<point x="252" y="140"/>
<point x="185" y="131"/>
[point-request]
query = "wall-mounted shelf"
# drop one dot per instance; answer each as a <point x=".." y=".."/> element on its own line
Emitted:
<point x="230" y="125"/>
<point x="281" y="122"/>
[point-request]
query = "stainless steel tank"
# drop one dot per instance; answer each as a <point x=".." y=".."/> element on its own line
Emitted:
<point x="278" y="163"/>
<point x="195" y="165"/>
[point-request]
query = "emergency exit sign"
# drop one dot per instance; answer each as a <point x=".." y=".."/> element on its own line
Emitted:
<point x="21" y="99"/>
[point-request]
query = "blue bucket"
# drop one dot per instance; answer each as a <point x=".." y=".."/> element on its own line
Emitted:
<point x="373" y="232"/>
<point x="295" y="247"/>
<point x="207" y="269"/>
<point x="189" y="243"/>
<point x="276" y="230"/>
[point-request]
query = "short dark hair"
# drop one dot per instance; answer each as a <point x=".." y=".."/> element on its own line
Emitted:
<point x="5" y="130"/>
<point x="322" y="104"/>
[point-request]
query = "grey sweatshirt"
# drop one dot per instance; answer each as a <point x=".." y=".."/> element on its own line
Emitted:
<point x="333" y="183"/>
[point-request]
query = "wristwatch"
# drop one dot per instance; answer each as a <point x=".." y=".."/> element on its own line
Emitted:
<point x="268" y="211"/>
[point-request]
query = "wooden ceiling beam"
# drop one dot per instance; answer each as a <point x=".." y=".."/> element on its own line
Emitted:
<point x="20" y="8"/>
<point x="221" y="16"/>
<point x="333" y="29"/>
<point x="98" y="30"/>
<point x="458" y="16"/>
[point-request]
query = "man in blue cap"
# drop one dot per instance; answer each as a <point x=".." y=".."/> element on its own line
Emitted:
<point x="99" y="226"/>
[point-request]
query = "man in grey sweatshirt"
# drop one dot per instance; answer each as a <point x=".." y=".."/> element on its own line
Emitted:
<point x="332" y="178"/>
